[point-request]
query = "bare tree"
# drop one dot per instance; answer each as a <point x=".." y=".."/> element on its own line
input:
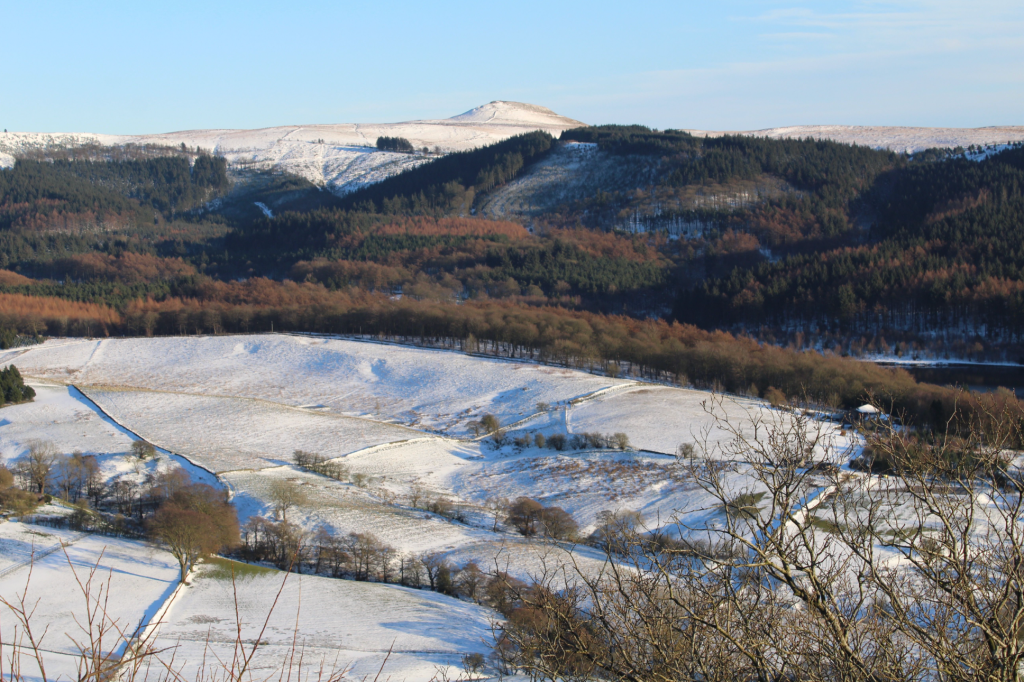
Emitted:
<point x="284" y="495"/>
<point x="470" y="581"/>
<point x="194" y="521"/>
<point x="524" y="515"/>
<point x="498" y="506"/>
<point x="37" y="468"/>
<point x="826" y="575"/>
<point x="188" y="534"/>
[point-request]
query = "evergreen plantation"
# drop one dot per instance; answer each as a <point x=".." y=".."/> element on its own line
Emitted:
<point x="394" y="144"/>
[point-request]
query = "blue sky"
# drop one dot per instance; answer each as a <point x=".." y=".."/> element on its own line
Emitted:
<point x="137" y="67"/>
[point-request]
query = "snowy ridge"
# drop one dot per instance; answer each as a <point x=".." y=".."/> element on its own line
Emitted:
<point x="896" y="138"/>
<point x="341" y="157"/>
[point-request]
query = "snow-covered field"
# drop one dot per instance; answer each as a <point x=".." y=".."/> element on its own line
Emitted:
<point x="131" y="582"/>
<point x="419" y="388"/>
<point x="342" y="624"/>
<point x="341" y="157"/>
<point x="659" y="418"/>
<point x="399" y="419"/>
<point x="64" y="417"/>
<point x="240" y="433"/>
<point x="244" y="403"/>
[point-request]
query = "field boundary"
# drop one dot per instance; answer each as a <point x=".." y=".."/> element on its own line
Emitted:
<point x="52" y="549"/>
<point x="133" y="434"/>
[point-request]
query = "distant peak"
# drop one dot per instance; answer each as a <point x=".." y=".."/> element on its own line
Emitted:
<point x="521" y="106"/>
<point x="502" y="111"/>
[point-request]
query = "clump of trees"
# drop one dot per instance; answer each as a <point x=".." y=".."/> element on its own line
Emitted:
<point x="489" y="425"/>
<point x="319" y="464"/>
<point x="12" y="387"/>
<point x="143" y="449"/>
<point x="394" y="144"/>
<point x="529" y="517"/>
<point x="584" y="441"/>
<point x="119" y="507"/>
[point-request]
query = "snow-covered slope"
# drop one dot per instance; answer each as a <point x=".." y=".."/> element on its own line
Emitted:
<point x="340" y="156"/>
<point x="132" y="579"/>
<point x="896" y="138"/>
<point x="316" y="620"/>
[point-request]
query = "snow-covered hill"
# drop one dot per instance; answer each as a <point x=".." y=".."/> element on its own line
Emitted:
<point x="341" y="156"/>
<point x="896" y="138"/>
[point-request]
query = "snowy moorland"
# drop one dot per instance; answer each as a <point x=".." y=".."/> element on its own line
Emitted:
<point x="423" y="389"/>
<point x="897" y="138"/>
<point x="341" y="157"/>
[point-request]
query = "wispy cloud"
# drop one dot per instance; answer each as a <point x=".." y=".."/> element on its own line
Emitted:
<point x="914" y="19"/>
<point x="798" y="35"/>
<point x="880" y="65"/>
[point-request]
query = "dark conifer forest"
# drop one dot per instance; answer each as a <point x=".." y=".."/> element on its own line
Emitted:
<point x="744" y="263"/>
<point x="394" y="144"/>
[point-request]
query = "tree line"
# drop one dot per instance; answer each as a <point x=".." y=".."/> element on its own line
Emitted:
<point x="650" y="349"/>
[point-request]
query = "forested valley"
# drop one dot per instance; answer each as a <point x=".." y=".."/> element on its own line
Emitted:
<point x="831" y="250"/>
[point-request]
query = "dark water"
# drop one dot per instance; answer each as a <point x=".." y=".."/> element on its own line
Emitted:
<point x="982" y="378"/>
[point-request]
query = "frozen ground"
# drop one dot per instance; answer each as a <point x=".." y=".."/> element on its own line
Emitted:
<point x="345" y="624"/>
<point x="341" y="157"/>
<point x="132" y="580"/>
